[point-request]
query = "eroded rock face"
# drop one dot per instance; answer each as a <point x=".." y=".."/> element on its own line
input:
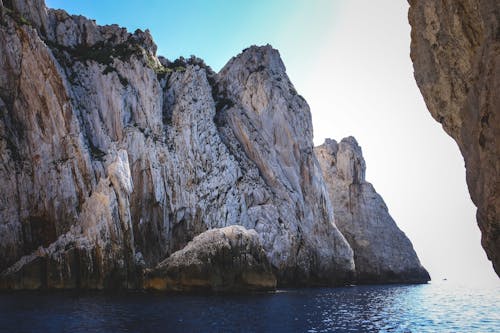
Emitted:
<point x="117" y="162"/>
<point x="113" y="158"/>
<point x="382" y="252"/>
<point x="226" y="259"/>
<point x="455" y="51"/>
<point x="97" y="252"/>
<point x="272" y="127"/>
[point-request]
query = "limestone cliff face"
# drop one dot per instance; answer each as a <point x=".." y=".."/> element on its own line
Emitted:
<point x="455" y="50"/>
<point x="382" y="252"/>
<point x="114" y="159"/>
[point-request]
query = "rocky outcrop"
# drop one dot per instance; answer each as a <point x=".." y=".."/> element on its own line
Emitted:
<point x="114" y="159"/>
<point x="204" y="151"/>
<point x="382" y="252"/>
<point x="455" y="51"/>
<point x="226" y="259"/>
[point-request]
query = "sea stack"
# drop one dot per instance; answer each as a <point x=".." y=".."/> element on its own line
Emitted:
<point x="382" y="252"/>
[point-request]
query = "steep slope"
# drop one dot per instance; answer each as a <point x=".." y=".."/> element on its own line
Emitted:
<point x="382" y="252"/>
<point x="114" y="159"/>
<point x="455" y="51"/>
<point x="272" y="127"/>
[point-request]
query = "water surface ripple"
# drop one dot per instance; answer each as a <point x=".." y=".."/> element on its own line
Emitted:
<point x="437" y="307"/>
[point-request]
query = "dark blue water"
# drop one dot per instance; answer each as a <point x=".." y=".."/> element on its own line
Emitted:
<point x="423" y="308"/>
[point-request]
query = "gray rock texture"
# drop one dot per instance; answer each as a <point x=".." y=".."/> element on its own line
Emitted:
<point x="455" y="50"/>
<point x="382" y="252"/>
<point x="289" y="206"/>
<point x="226" y="259"/>
<point x="114" y="159"/>
<point x="202" y="151"/>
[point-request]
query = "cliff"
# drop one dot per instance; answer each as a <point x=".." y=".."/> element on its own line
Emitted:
<point x="382" y="252"/>
<point x="115" y="159"/>
<point x="455" y="50"/>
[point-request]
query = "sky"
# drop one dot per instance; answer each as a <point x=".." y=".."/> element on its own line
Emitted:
<point x="350" y="60"/>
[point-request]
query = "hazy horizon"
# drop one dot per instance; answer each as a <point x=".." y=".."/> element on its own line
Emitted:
<point x="350" y="60"/>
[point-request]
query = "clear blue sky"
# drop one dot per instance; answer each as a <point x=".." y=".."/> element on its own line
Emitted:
<point x="350" y="60"/>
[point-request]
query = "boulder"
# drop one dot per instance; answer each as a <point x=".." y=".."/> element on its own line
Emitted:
<point x="225" y="259"/>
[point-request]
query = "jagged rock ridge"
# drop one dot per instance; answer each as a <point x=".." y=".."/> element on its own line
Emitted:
<point x="455" y="50"/>
<point x="114" y="159"/>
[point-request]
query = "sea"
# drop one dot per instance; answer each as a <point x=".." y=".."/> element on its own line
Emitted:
<point x="433" y="307"/>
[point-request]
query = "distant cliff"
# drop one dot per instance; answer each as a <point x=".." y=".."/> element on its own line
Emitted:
<point x="114" y="159"/>
<point x="455" y="50"/>
<point x="382" y="252"/>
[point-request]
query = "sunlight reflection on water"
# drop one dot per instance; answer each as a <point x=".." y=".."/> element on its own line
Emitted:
<point x="437" y="307"/>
